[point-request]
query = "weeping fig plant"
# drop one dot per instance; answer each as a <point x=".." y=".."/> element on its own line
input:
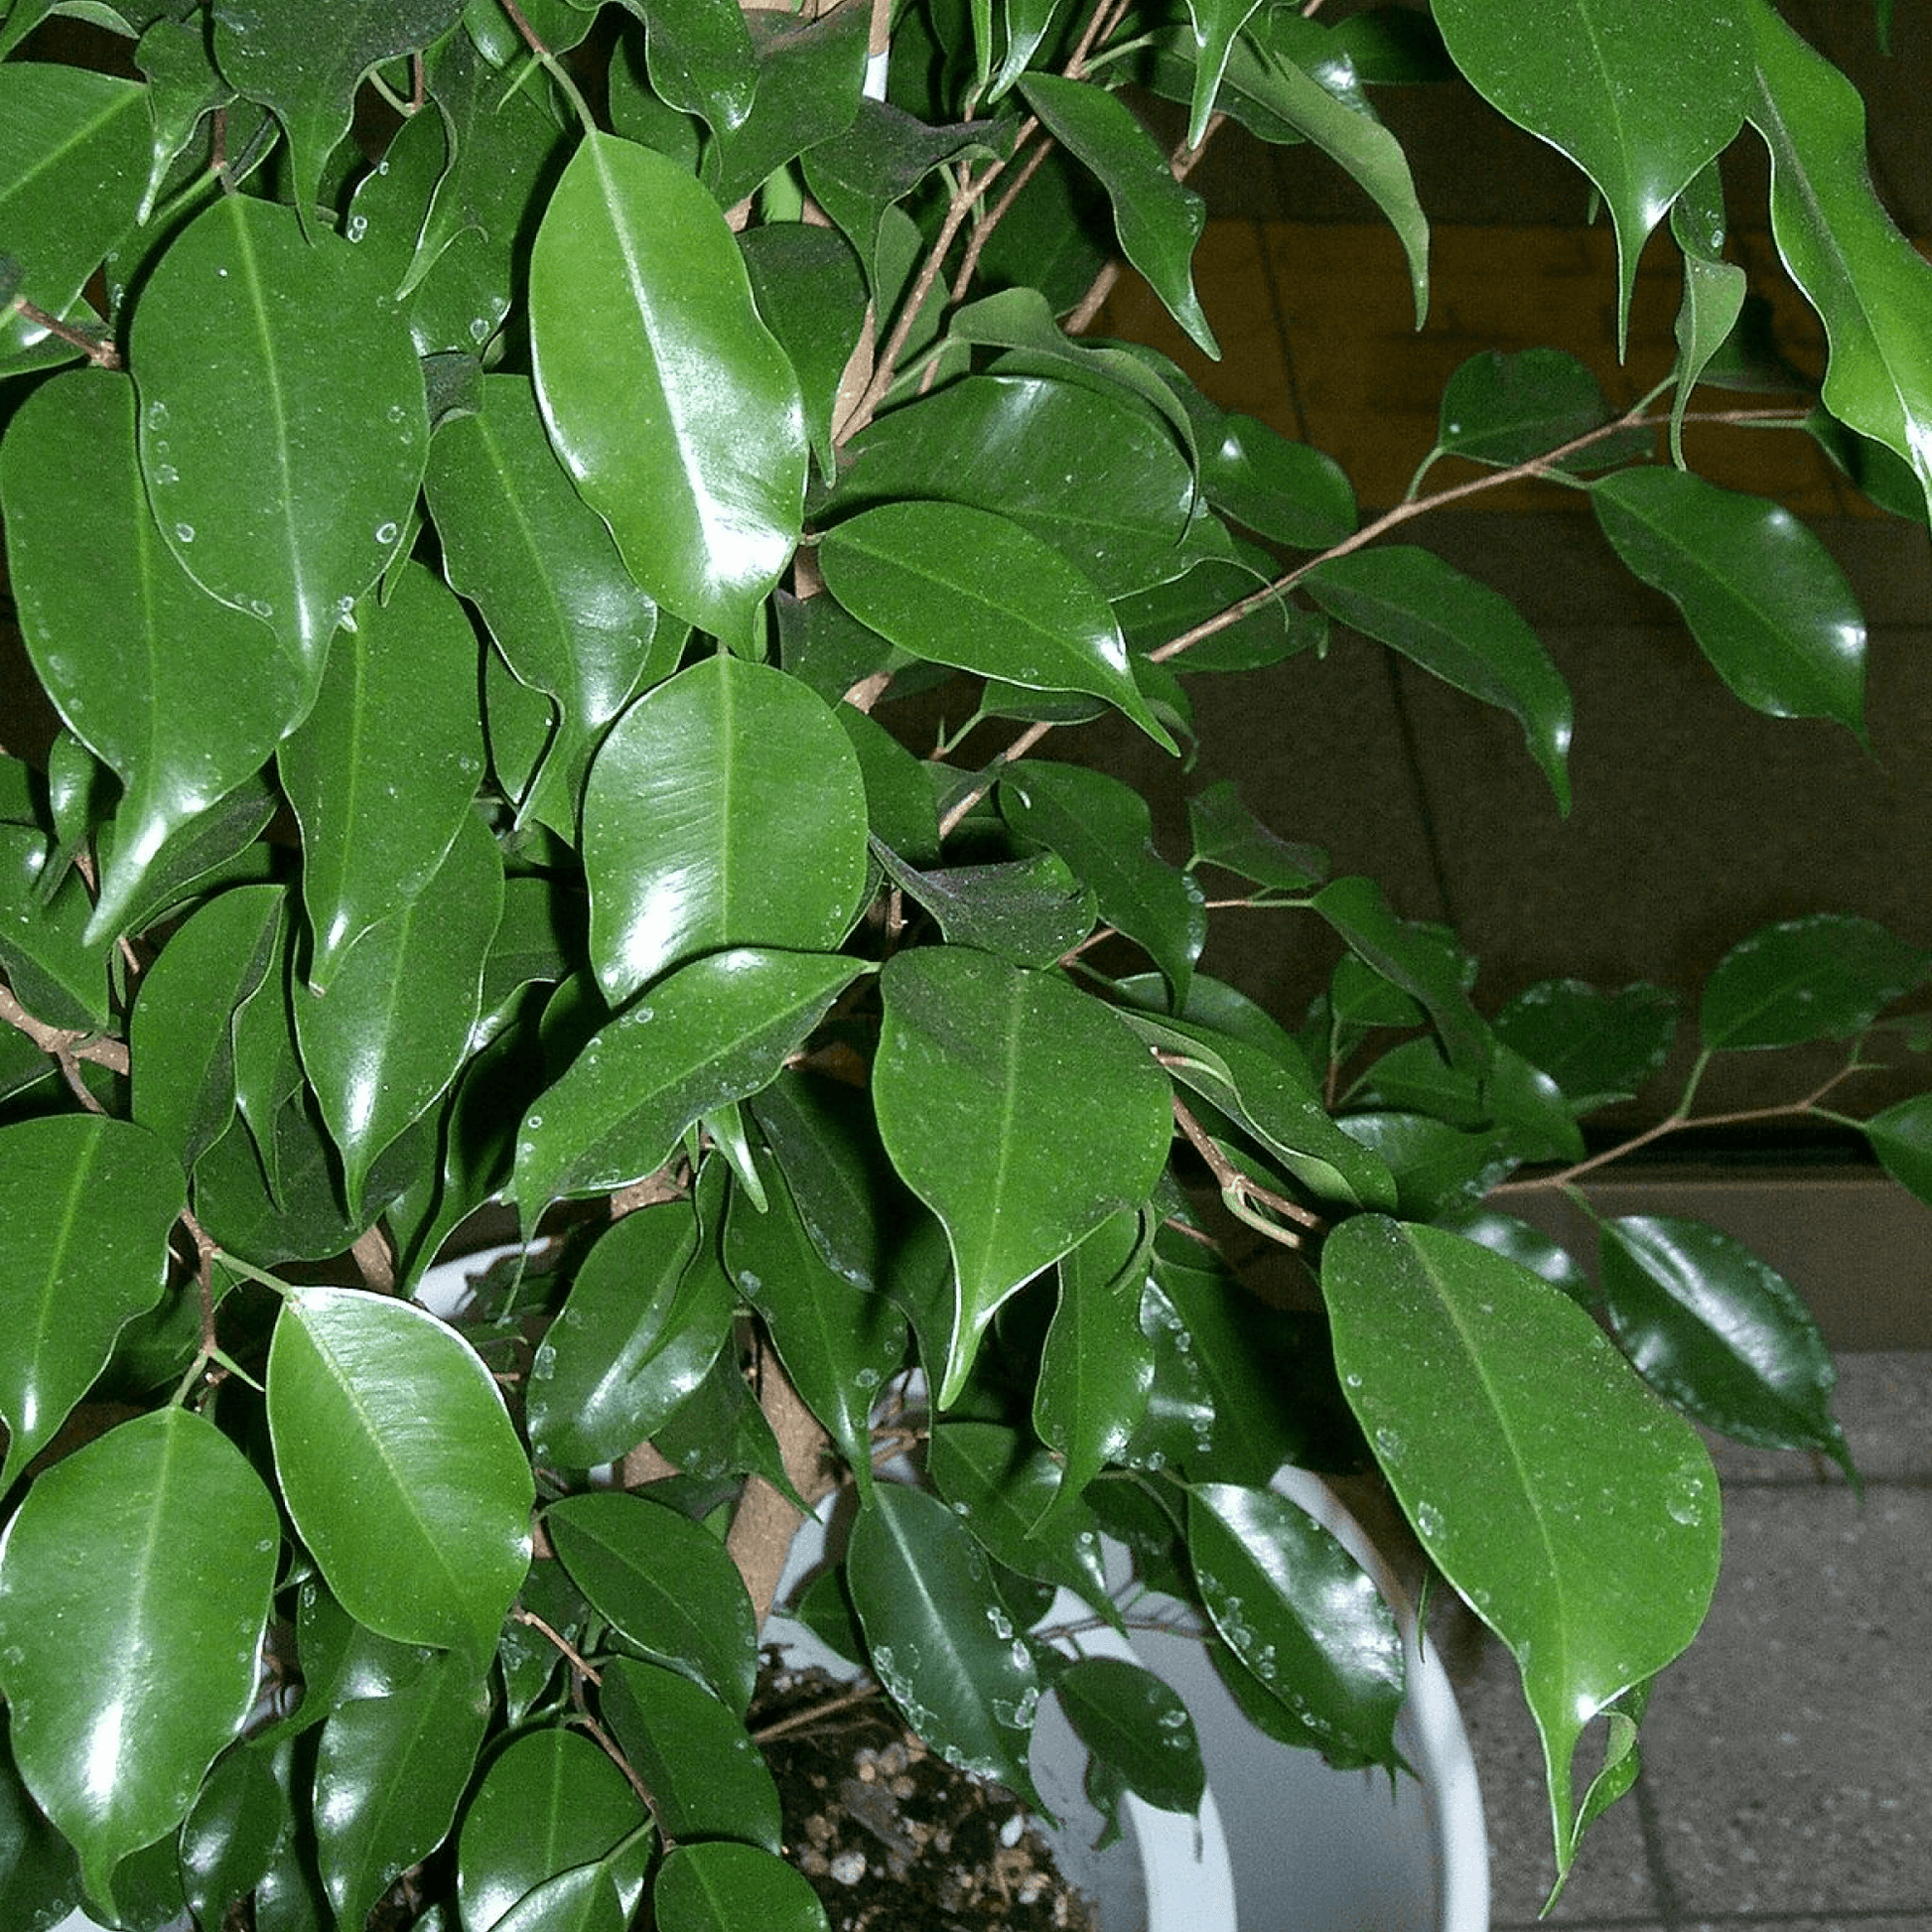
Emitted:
<point x="563" y="552"/>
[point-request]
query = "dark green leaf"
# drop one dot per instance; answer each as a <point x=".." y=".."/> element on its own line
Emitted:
<point x="1824" y="977"/>
<point x="1004" y="1487"/>
<point x="1902" y="1138"/>
<point x="727" y="1888"/>
<point x="1504" y="409"/>
<point x="700" y="58"/>
<point x="1763" y="597"/>
<point x="810" y="74"/>
<point x="1529" y="1247"/>
<point x="1720" y="1333"/>
<point x="1138" y="1728"/>
<point x="712" y="1032"/>
<point x="1458" y="630"/>
<point x="811" y="291"/>
<point x="938" y="1638"/>
<point x="1598" y="1047"/>
<point x="1033" y="911"/>
<point x="665" y="1586"/>
<point x="725" y="808"/>
<point x="1714" y="289"/>
<point x="975" y="590"/>
<point x="1228" y="834"/>
<point x="399" y="1465"/>
<point x="120" y="1698"/>
<point x="1021" y="1111"/>
<point x="1575" y="1514"/>
<point x="680" y="419"/>
<point x="87" y="1204"/>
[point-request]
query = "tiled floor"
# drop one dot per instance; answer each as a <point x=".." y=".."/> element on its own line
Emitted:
<point x="1788" y="1778"/>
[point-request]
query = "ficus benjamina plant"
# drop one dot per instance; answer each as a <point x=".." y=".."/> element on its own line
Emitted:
<point x="568" y="548"/>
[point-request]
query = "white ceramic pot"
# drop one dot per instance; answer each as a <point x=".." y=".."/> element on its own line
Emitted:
<point x="1315" y="1850"/>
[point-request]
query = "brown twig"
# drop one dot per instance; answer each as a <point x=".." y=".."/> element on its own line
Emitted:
<point x="99" y="349"/>
<point x="1233" y="1182"/>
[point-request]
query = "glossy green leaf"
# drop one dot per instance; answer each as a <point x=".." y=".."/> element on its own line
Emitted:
<point x="539" y="563"/>
<point x="1714" y="290"/>
<point x="1158" y="219"/>
<point x="1310" y="84"/>
<point x="1574" y="1512"/>
<point x="1639" y="93"/>
<point x="390" y="1771"/>
<point x="268" y="473"/>
<point x="940" y="1639"/>
<point x="645" y="1320"/>
<point x="383" y="774"/>
<point x="837" y="1339"/>
<point x="220" y="847"/>
<point x="726" y="1887"/>
<point x="1289" y="491"/>
<point x="1228" y="834"/>
<point x="1408" y="957"/>
<point x="1458" y="630"/>
<point x="1822" y="977"/>
<point x="701" y="59"/>
<point x="88" y="1203"/>
<point x="998" y="443"/>
<point x="74" y="153"/>
<point x="810" y="288"/>
<point x="1301" y="1613"/>
<point x="181" y="1037"/>
<point x="1020" y="1111"/>
<point x="550" y="1799"/>
<point x="664" y="1584"/>
<point x="584" y="1898"/>
<point x="380" y="1414"/>
<point x="1598" y="1047"/>
<point x="1866" y="280"/>
<point x="387" y="1038"/>
<point x="1902" y="1138"/>
<point x="240" y="1819"/>
<point x="1720" y="1333"/>
<point x="719" y="1434"/>
<point x="1096" y="1367"/>
<point x="1103" y="829"/>
<point x="706" y="1777"/>
<point x="968" y="588"/>
<point x="1138" y="1728"/>
<point x="123" y="641"/>
<point x="1004" y="1486"/>
<point x="1764" y="598"/>
<point x="725" y="808"/>
<point x="1520" y="1103"/>
<point x="1529" y="1247"/>
<point x="680" y="420"/>
<point x="811" y="75"/>
<point x="1437" y="1169"/>
<point x="712" y="1032"/>
<point x="1504" y="409"/>
<point x="1033" y="911"/>
<point x="120" y="1698"/>
<point x="303" y="66"/>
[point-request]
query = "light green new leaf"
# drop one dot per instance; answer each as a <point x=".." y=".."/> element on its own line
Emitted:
<point x="663" y="1584"/>
<point x="119" y="1698"/>
<point x="680" y="418"/>
<point x="303" y="64"/>
<point x="645" y="1320"/>
<point x="1763" y="597"/>
<point x="838" y="1339"/>
<point x="726" y="1887"/>
<point x="725" y="808"/>
<point x="965" y="587"/>
<point x="1158" y="219"/>
<point x="938" y="1638"/>
<point x="126" y="644"/>
<point x="1021" y="1112"/>
<point x="181" y="1034"/>
<point x="550" y="1799"/>
<point x="88" y="1203"/>
<point x="383" y="772"/>
<point x="1639" y="93"/>
<point x="1103" y="829"/>
<point x="1302" y="1614"/>
<point x="390" y="1771"/>
<point x="1870" y="285"/>
<point x="399" y="1465"/>
<point x="706" y="1777"/>
<point x="74" y="153"/>
<point x="1575" y="1514"/>
<point x="1458" y="630"/>
<point x="713" y="1032"/>
<point x="1720" y="1334"/>
<point x="538" y="562"/>
<point x="1827" y="976"/>
<point x="282" y="460"/>
<point x="392" y="1031"/>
